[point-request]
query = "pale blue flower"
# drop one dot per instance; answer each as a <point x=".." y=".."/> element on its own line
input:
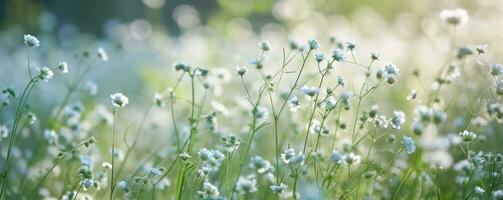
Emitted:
<point x="409" y="144"/>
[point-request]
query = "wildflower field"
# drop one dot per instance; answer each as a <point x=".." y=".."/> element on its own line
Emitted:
<point x="287" y="99"/>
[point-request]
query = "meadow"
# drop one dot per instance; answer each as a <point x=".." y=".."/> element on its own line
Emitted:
<point x="330" y="109"/>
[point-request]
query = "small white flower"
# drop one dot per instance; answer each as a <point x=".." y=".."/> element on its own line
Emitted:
<point x="4" y="131"/>
<point x="278" y="188"/>
<point x="102" y="54"/>
<point x="262" y="166"/>
<point x="123" y="186"/>
<point x="310" y="91"/>
<point x="209" y="191"/>
<point x="398" y="119"/>
<point x="242" y="70"/>
<point x="46" y="74"/>
<point x="106" y="165"/>
<point x="119" y="100"/>
<point x="454" y="17"/>
<point x="350" y="46"/>
<point x="353" y="159"/>
<point x="319" y="57"/>
<point x="246" y="185"/>
<point x="31" y="41"/>
<point x="467" y="136"/>
<point x="382" y="121"/>
<point x="294" y="104"/>
<point x="313" y="44"/>
<point x="154" y="171"/>
<point x="329" y="103"/>
<point x="390" y="73"/>
<point x="412" y="95"/>
<point x="63" y="67"/>
<point x="338" y="55"/>
<point x="260" y="113"/>
<point x="32" y="118"/>
<point x="265" y="45"/>
<point x="479" y="190"/>
<point x="345" y="99"/>
<point x="340" y="81"/>
<point x="496" y="69"/>
<point x="159" y="99"/>
<point x="339" y="157"/>
<point x="289" y="156"/>
<point x="184" y="156"/>
<point x="51" y="136"/>
<point x="204" y="154"/>
<point x="87" y="183"/>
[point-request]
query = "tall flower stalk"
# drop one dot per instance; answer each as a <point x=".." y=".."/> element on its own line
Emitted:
<point x="118" y="101"/>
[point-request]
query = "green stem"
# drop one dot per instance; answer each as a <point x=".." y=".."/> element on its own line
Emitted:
<point x="112" y="185"/>
<point x="20" y="106"/>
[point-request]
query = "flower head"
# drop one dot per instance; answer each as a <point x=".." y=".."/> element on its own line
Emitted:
<point x="123" y="186"/>
<point x="294" y="103"/>
<point x="467" y="136"/>
<point x="319" y="57"/>
<point x="345" y="99"/>
<point x="209" y="191"/>
<point x="102" y="54"/>
<point x="51" y="136"/>
<point x="262" y="166"/>
<point x="63" y="67"/>
<point x="398" y="119"/>
<point x="31" y="41"/>
<point x="119" y="100"/>
<point x="278" y="188"/>
<point x="46" y="74"/>
<point x="265" y="45"/>
<point x="289" y="156"/>
<point x="389" y="72"/>
<point x="310" y="91"/>
<point x="338" y="55"/>
<point x="313" y="44"/>
<point x="353" y="159"/>
<point x="496" y="69"/>
<point x="159" y="99"/>
<point x="338" y="157"/>
<point x="454" y="17"/>
<point x="4" y="131"/>
<point x="350" y="46"/>
<point x="246" y="184"/>
<point x="241" y="70"/>
<point x="410" y="145"/>
<point x="106" y="165"/>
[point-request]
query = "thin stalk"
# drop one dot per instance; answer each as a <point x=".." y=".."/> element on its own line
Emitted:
<point x="56" y="162"/>
<point x="135" y="141"/>
<point x="112" y="185"/>
<point x="20" y="106"/>
<point x="402" y="183"/>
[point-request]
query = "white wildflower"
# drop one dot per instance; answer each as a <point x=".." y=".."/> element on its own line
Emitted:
<point x="46" y="74"/>
<point x="119" y="100"/>
<point x="31" y="41"/>
<point x="454" y="17"/>
<point x="102" y="54"/>
<point x="63" y="67"/>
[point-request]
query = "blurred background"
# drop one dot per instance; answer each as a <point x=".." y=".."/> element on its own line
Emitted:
<point x="143" y="38"/>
